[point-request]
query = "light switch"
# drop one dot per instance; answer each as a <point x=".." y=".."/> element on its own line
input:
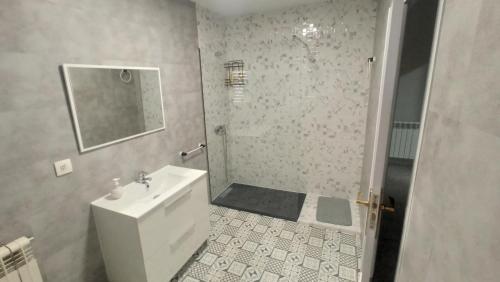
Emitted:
<point x="63" y="167"/>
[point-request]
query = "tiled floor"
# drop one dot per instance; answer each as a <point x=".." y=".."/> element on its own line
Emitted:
<point x="250" y="247"/>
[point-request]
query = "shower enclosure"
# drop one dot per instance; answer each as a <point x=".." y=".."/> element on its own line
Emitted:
<point x="294" y="123"/>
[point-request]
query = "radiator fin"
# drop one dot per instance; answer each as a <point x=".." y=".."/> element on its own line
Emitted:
<point x="404" y="140"/>
<point x="17" y="262"/>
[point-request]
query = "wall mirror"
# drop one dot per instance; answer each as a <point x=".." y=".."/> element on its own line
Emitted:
<point x="110" y="104"/>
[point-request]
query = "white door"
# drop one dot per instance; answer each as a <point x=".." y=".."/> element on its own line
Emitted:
<point x="387" y="73"/>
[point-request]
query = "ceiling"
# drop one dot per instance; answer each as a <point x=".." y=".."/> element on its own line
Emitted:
<point x="240" y="7"/>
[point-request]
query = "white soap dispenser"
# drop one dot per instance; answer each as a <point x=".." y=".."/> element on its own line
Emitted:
<point x="117" y="192"/>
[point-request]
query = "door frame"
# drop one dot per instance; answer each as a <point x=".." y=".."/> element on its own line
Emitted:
<point x="423" y="120"/>
<point x="394" y="33"/>
<point x="382" y="165"/>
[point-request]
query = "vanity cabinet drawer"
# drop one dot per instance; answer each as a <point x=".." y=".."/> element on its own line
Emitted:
<point x="168" y="223"/>
<point x="171" y="256"/>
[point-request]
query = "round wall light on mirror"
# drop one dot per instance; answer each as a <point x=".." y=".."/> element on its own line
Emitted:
<point x="126" y="76"/>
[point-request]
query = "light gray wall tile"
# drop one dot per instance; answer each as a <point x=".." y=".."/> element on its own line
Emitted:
<point x="36" y="130"/>
<point x="452" y="229"/>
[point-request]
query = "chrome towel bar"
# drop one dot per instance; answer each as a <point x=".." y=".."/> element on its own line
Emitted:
<point x="200" y="147"/>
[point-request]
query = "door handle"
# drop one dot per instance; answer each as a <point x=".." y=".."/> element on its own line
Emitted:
<point x="390" y="208"/>
<point x="387" y="209"/>
<point x="361" y="202"/>
<point x="371" y="203"/>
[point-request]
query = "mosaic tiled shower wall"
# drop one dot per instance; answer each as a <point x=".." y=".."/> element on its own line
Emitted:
<point x="299" y="123"/>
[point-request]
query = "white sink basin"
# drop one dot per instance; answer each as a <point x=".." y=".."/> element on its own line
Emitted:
<point x="137" y="199"/>
<point x="150" y="233"/>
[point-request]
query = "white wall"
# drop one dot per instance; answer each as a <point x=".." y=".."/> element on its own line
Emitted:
<point x="452" y="231"/>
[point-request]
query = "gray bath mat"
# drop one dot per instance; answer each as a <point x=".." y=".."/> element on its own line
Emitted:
<point x="334" y="211"/>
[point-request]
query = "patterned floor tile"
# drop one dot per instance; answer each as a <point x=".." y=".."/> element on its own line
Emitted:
<point x="236" y="222"/>
<point x="348" y="261"/>
<point x="286" y="234"/>
<point x="189" y="279"/>
<point x="255" y="236"/>
<point x="264" y="250"/>
<point x="208" y="258"/>
<point x="229" y="277"/>
<point x="283" y="244"/>
<point x="215" y="275"/>
<point x="311" y="263"/>
<point x="231" y="213"/>
<point x="216" y="248"/>
<point x="278" y="223"/>
<point x="347" y="273"/>
<point x="248" y="247"/>
<point x="252" y="274"/>
<point x="219" y="210"/>
<point x="279" y="254"/>
<point x="331" y="244"/>
<point x="198" y="270"/>
<point x="242" y="215"/>
<point x="290" y="226"/>
<point x="230" y="230"/>
<point x="308" y="275"/>
<point x="236" y="242"/>
<point x="291" y="272"/>
<point x="259" y="228"/>
<point x="268" y="240"/>
<point x="274" y="265"/>
<point x="274" y="231"/>
<point x="222" y="263"/>
<point x="317" y="232"/>
<point x="314" y="241"/>
<point x="300" y="238"/>
<point x="237" y="268"/>
<point x="348" y="249"/>
<point x="348" y="239"/>
<point x="328" y="267"/>
<point x="294" y="258"/>
<point x="244" y="256"/>
<point x="313" y="252"/>
<point x="269" y="277"/>
<point x="224" y="220"/>
<point x="214" y="217"/>
<point x="265" y="220"/>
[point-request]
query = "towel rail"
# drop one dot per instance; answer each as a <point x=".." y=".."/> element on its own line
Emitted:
<point x="200" y="147"/>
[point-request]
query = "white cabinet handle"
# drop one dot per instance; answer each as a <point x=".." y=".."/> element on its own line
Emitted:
<point x="175" y="242"/>
<point x="176" y="197"/>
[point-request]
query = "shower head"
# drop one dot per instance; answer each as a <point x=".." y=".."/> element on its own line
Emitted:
<point x="295" y="37"/>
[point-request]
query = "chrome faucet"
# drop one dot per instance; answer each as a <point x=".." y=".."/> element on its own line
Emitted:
<point x="142" y="179"/>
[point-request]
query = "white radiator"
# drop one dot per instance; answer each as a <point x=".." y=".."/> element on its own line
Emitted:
<point x="17" y="262"/>
<point x="404" y="140"/>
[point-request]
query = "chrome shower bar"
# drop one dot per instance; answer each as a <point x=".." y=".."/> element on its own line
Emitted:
<point x="200" y="147"/>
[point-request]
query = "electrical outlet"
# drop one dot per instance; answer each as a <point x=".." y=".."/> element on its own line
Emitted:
<point x="63" y="167"/>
